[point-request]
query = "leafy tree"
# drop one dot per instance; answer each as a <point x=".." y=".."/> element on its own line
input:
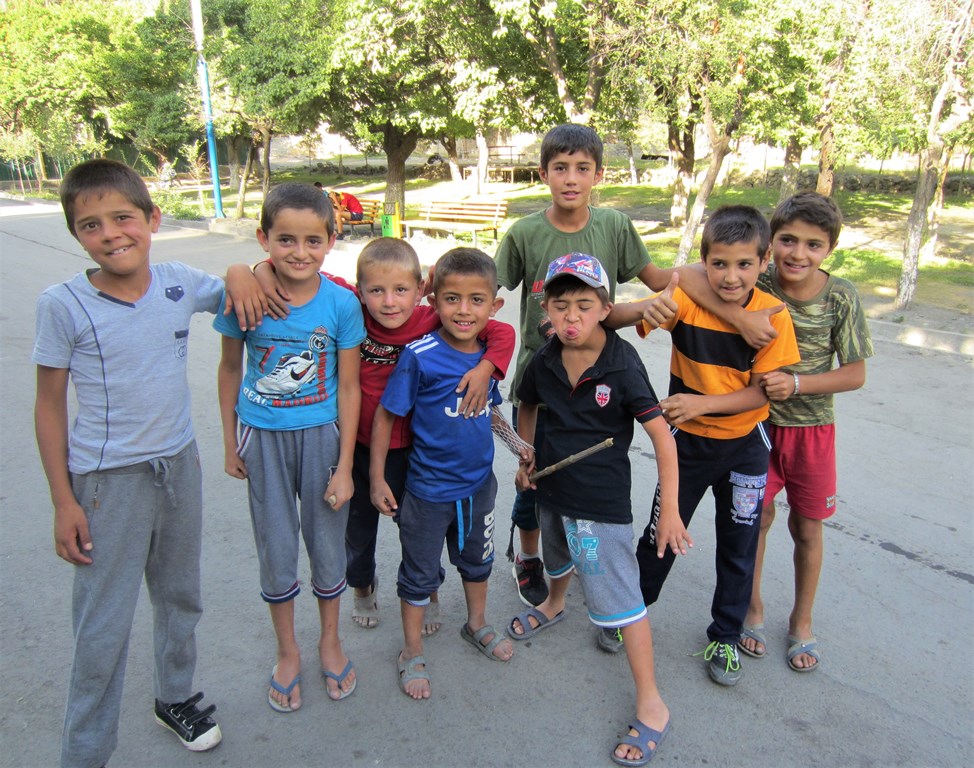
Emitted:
<point x="51" y="91"/>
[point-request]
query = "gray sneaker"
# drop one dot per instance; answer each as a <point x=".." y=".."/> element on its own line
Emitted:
<point x="610" y="640"/>
<point x="723" y="663"/>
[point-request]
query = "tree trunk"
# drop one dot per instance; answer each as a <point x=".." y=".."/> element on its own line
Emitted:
<point x="826" y="158"/>
<point x="929" y="249"/>
<point x="932" y="159"/>
<point x="398" y="146"/>
<point x="266" y="134"/>
<point x="41" y="169"/>
<point x="791" y="170"/>
<point x="241" y="196"/>
<point x="719" y="150"/>
<point x="450" y="146"/>
<point x="633" y="172"/>
<point x="483" y="157"/>
<point x="233" y="156"/>
<point x="683" y="151"/>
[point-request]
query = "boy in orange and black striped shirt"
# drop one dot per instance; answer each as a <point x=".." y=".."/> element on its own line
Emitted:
<point x="716" y="406"/>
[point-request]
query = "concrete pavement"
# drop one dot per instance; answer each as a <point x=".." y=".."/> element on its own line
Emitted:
<point x="894" y="619"/>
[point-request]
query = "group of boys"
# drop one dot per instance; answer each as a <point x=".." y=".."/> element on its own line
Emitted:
<point x="393" y="413"/>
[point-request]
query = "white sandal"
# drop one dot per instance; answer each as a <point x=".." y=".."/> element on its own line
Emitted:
<point x="366" y="608"/>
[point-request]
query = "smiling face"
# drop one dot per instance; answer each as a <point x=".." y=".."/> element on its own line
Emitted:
<point x="115" y="233"/>
<point x="799" y="248"/>
<point x="733" y="269"/>
<point x="297" y="243"/>
<point x="390" y="292"/>
<point x="464" y="302"/>
<point x="570" y="177"/>
<point x="576" y="315"/>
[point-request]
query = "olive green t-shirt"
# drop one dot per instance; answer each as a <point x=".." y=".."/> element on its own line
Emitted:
<point x="533" y="242"/>
<point x="830" y="325"/>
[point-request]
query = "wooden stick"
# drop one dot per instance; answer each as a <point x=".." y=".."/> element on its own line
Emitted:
<point x="607" y="443"/>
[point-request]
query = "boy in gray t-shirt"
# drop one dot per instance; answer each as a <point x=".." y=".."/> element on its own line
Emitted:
<point x="125" y="482"/>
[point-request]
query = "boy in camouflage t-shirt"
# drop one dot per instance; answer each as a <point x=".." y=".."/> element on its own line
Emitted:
<point x="829" y="323"/>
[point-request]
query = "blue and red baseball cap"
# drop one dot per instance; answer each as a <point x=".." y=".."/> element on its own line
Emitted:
<point x="586" y="268"/>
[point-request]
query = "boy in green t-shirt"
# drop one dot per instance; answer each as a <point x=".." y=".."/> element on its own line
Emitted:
<point x="571" y="165"/>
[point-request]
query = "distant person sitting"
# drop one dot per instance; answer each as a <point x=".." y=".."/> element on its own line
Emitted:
<point x="347" y="208"/>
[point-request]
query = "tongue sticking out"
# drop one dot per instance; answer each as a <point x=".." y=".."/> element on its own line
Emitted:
<point x="571" y="333"/>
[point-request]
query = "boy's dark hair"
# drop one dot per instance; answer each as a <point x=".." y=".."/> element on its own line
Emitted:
<point x="811" y="208"/>
<point x="565" y="284"/>
<point x="571" y="138"/>
<point x="465" y="261"/>
<point x="318" y="185"/>
<point x="99" y="176"/>
<point x="731" y="224"/>
<point x="300" y="197"/>
<point x="390" y="252"/>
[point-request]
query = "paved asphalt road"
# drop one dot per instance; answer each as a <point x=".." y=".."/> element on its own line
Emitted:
<point x="895" y="614"/>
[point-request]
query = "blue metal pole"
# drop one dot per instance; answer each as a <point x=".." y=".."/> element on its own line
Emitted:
<point x="210" y="137"/>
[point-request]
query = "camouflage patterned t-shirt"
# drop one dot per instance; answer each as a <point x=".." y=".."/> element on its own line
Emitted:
<point x="830" y="325"/>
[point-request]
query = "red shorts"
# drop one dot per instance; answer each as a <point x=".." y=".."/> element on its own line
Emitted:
<point x="803" y="463"/>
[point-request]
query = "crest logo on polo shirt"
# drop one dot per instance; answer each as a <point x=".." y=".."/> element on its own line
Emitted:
<point x="175" y="292"/>
<point x="602" y="394"/>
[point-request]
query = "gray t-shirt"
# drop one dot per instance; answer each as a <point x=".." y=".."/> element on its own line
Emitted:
<point x="127" y="362"/>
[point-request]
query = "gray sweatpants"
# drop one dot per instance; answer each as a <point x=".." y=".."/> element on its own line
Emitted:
<point x="144" y="519"/>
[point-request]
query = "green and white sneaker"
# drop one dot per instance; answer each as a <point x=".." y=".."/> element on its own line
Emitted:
<point x="723" y="663"/>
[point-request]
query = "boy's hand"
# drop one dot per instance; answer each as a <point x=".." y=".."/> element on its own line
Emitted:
<point x="778" y="385"/>
<point x="234" y="466"/>
<point x="756" y="327"/>
<point x="672" y="533"/>
<point x="662" y="308"/>
<point x="339" y="489"/>
<point x="475" y="384"/>
<point x="244" y="297"/>
<point x="523" y="478"/>
<point x="71" y="536"/>
<point x="680" y="408"/>
<point x="275" y="295"/>
<point x="382" y="498"/>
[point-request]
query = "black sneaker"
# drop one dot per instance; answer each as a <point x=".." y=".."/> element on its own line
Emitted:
<point x="194" y="727"/>
<point x="610" y="640"/>
<point x="531" y="586"/>
<point x="723" y="663"/>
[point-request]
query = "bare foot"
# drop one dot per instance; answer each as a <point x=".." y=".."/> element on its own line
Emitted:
<point x="365" y="608"/>
<point x="431" y="619"/>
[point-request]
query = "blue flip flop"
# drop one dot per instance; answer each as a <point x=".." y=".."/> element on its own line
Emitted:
<point x="340" y="678"/>
<point x="644" y="735"/>
<point x="285" y="691"/>
<point x="527" y="631"/>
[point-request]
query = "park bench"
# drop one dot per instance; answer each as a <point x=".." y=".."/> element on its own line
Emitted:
<point x="371" y="212"/>
<point x="461" y="216"/>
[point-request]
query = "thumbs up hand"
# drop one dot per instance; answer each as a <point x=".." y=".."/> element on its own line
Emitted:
<point x="662" y="307"/>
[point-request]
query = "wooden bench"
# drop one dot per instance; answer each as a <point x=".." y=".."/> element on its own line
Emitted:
<point x="371" y="212"/>
<point x="463" y="216"/>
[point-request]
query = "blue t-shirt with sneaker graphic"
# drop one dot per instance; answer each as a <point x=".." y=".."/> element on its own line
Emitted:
<point x="291" y="378"/>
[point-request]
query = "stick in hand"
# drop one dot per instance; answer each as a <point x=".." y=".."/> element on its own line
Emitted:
<point x="607" y="443"/>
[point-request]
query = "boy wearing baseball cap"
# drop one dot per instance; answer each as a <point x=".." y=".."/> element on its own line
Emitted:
<point x="594" y="386"/>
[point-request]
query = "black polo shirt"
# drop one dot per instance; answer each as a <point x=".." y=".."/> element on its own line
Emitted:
<point x="609" y="396"/>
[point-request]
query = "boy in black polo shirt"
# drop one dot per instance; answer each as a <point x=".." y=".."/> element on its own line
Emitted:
<point x="594" y="385"/>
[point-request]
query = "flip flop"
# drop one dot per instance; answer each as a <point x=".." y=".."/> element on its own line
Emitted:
<point x="340" y="678"/>
<point x="644" y="735"/>
<point x="408" y="671"/>
<point x="475" y="638"/>
<point x="277" y="707"/>
<point x="527" y="631"/>
<point x="756" y="633"/>
<point x="798" y="647"/>
<point x="367" y="607"/>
